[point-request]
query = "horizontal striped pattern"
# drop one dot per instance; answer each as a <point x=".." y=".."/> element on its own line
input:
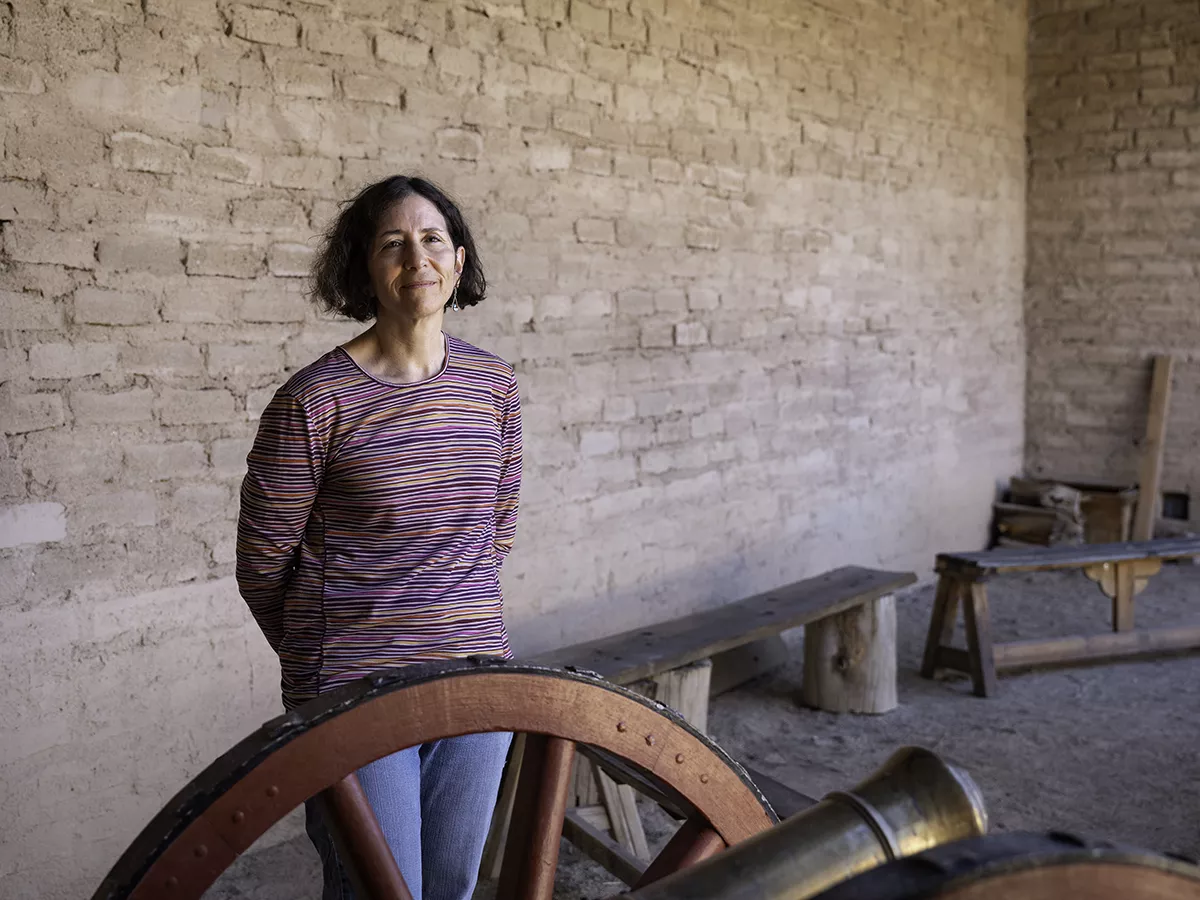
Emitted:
<point x="375" y="517"/>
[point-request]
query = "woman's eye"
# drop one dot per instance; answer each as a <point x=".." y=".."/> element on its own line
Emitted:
<point x="434" y="237"/>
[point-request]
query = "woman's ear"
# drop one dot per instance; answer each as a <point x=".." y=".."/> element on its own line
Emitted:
<point x="460" y="259"/>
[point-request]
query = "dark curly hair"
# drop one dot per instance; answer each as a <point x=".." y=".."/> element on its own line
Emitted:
<point x="340" y="281"/>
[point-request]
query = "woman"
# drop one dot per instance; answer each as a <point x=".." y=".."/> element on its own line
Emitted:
<point x="379" y="503"/>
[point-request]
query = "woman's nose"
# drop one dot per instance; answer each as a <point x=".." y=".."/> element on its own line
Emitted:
<point x="413" y="255"/>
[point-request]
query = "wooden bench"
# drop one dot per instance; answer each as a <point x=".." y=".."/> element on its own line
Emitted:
<point x="1121" y="570"/>
<point x="668" y="661"/>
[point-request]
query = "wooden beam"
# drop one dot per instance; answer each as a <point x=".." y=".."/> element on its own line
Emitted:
<point x="1150" y="471"/>
<point x="620" y="802"/>
<point x="600" y="847"/>
<point x="1095" y="647"/>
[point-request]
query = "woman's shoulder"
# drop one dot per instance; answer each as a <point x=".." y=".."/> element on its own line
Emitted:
<point x="318" y="378"/>
<point x="482" y="361"/>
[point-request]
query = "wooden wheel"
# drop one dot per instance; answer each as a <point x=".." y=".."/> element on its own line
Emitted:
<point x="319" y="746"/>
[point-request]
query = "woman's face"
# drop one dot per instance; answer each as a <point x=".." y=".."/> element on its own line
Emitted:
<point x="412" y="263"/>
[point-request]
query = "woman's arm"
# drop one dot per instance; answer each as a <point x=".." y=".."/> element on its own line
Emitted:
<point x="283" y="473"/>
<point x="509" y="491"/>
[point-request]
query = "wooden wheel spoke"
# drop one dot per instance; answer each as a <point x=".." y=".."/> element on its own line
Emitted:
<point x="361" y="845"/>
<point x="531" y="850"/>
<point x="693" y="842"/>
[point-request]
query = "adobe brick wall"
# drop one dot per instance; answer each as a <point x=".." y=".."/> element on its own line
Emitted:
<point x="760" y="273"/>
<point x="1114" y="234"/>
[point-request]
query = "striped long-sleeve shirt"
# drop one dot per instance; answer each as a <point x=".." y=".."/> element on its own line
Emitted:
<point x="375" y="517"/>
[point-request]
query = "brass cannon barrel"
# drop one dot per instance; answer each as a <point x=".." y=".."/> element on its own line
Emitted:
<point x="914" y="802"/>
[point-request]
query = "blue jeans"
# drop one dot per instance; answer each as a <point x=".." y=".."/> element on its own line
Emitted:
<point x="434" y="803"/>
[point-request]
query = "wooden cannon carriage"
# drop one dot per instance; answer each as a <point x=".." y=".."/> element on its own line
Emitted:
<point x="914" y="804"/>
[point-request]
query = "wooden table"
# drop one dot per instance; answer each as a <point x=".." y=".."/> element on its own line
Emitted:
<point x="1121" y="570"/>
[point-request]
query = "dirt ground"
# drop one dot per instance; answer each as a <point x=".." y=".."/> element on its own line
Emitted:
<point x="1110" y="752"/>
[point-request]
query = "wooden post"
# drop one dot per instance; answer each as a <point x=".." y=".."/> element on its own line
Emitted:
<point x="1150" y="471"/>
<point x="850" y="659"/>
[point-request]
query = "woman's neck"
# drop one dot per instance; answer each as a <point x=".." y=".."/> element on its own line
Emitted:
<point x="403" y="352"/>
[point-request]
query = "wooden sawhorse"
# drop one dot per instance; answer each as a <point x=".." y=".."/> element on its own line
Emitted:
<point x="1121" y="570"/>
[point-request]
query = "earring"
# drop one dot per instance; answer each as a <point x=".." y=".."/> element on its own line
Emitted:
<point x="454" y="299"/>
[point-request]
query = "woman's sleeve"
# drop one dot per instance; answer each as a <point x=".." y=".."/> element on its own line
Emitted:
<point x="509" y="492"/>
<point x="283" y="473"/>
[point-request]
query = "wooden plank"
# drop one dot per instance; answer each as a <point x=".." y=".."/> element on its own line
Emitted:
<point x="620" y="802"/>
<point x="1150" y="470"/>
<point x="600" y="847"/>
<point x="738" y="665"/>
<point x="1096" y="647"/>
<point x="979" y="564"/>
<point x="785" y="800"/>
<point x="643" y="652"/>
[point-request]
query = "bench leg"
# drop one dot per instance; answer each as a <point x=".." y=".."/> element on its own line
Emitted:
<point x="850" y="659"/>
<point x="941" y="623"/>
<point x="620" y="802"/>
<point x="979" y="640"/>
<point x="1122" y="600"/>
